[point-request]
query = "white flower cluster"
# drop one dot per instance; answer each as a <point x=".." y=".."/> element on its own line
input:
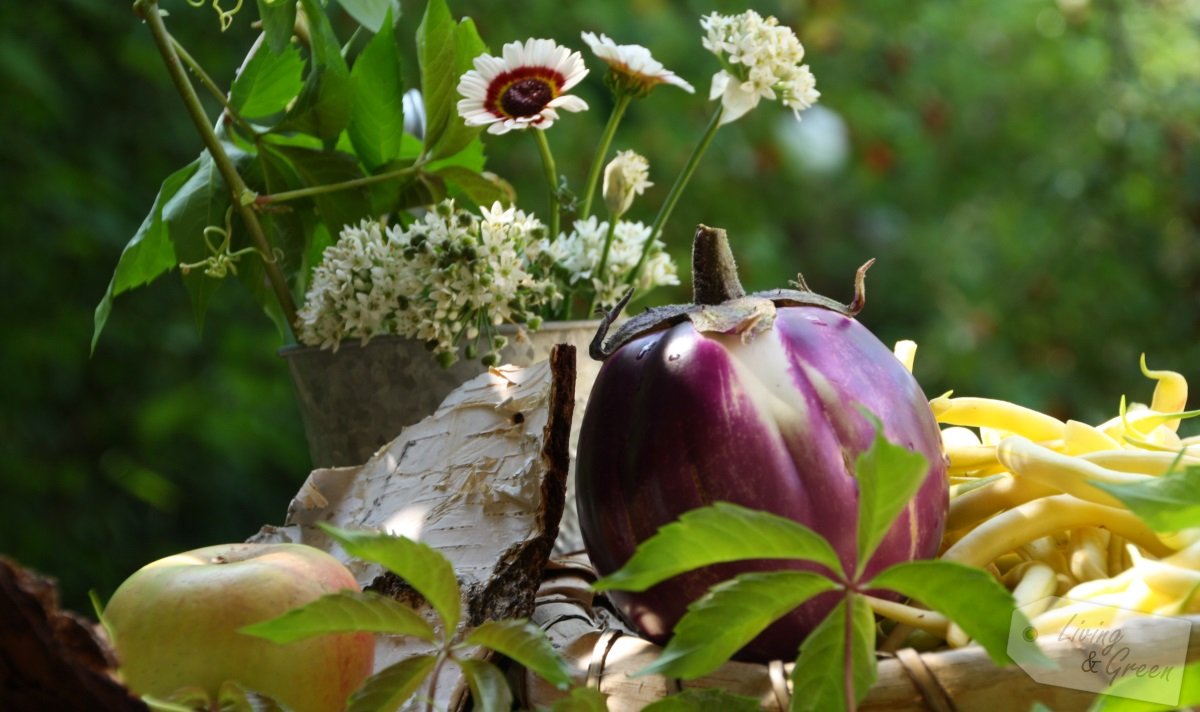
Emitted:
<point x="763" y="61"/>
<point x="447" y="279"/>
<point x="580" y="252"/>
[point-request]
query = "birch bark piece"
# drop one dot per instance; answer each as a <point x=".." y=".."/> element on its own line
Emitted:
<point x="482" y="480"/>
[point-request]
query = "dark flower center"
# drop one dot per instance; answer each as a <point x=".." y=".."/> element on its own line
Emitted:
<point x="526" y="97"/>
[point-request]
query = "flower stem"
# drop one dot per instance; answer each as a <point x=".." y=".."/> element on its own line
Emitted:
<point x="848" y="655"/>
<point x="610" y="130"/>
<point x="148" y="11"/>
<point x="312" y="190"/>
<point x="551" y="178"/>
<point x="600" y="269"/>
<point x="672" y="198"/>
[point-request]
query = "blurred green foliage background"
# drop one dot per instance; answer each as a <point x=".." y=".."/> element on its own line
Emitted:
<point x="1026" y="173"/>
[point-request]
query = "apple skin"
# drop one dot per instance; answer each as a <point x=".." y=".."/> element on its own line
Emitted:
<point x="174" y="624"/>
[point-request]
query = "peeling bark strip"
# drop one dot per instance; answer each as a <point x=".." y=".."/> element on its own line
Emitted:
<point x="52" y="659"/>
<point x="482" y="480"/>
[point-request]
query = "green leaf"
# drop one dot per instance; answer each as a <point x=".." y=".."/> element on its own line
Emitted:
<point x="371" y="14"/>
<point x="467" y="46"/>
<point x="326" y="50"/>
<point x="268" y="82"/>
<point x="471" y="157"/>
<point x="704" y="700"/>
<point x="148" y="254"/>
<point x="393" y="686"/>
<point x="969" y="596"/>
<point x="325" y="102"/>
<point x="888" y="476"/>
<point x="729" y="616"/>
<point x="481" y="189"/>
<point x="489" y="688"/>
<point x="323" y="107"/>
<point x="422" y="567"/>
<point x="185" y="699"/>
<point x="1169" y="503"/>
<point x="819" y="677"/>
<point x="527" y="645"/>
<point x="582" y="699"/>
<point x="344" y="612"/>
<point x="317" y="168"/>
<point x="202" y="202"/>
<point x="232" y="697"/>
<point x="436" y="55"/>
<point x="1123" y="695"/>
<point x="376" y="127"/>
<point x="713" y="535"/>
<point x="279" y="21"/>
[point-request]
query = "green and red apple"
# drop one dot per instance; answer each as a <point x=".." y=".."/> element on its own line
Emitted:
<point x="175" y="625"/>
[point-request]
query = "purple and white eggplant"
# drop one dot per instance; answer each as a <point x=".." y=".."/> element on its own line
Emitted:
<point x="754" y="400"/>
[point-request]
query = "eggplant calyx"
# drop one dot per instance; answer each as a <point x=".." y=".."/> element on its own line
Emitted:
<point x="720" y="302"/>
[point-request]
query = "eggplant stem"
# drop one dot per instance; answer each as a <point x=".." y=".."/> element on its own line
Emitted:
<point x="860" y="289"/>
<point x="596" y="348"/>
<point x="714" y="271"/>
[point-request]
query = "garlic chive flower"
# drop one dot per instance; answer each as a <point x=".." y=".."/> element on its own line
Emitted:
<point x="449" y="279"/>
<point x="631" y="67"/>
<point x="579" y="255"/>
<point x="762" y="59"/>
<point x="625" y="177"/>
<point x="525" y="87"/>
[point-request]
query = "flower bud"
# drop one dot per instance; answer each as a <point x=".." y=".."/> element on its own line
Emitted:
<point x="625" y="177"/>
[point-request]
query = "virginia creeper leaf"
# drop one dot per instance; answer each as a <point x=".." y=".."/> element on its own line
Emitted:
<point x="422" y="567"/>
<point x="316" y="168"/>
<point x="483" y="189"/>
<point x="704" y="700"/>
<point x="279" y="20"/>
<point x="326" y="50"/>
<point x="377" y="119"/>
<point x="148" y="254"/>
<point x="713" y="535"/>
<point x="835" y="652"/>
<point x="467" y="46"/>
<point x="325" y="102"/>
<point x="232" y="697"/>
<point x="371" y="14"/>
<point x="526" y="644"/>
<point x="436" y="55"/>
<point x="470" y="157"/>
<point x="582" y="699"/>
<point x="888" y="476"/>
<point x="343" y="612"/>
<point x="268" y="82"/>
<point x="729" y="616"/>
<point x="969" y="596"/>
<point x="1166" y="504"/>
<point x="392" y="686"/>
<point x="201" y="203"/>
<point x="489" y="688"/>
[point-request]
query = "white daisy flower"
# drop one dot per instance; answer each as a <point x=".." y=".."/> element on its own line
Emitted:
<point x="763" y="60"/>
<point x="524" y="88"/>
<point x="632" y="65"/>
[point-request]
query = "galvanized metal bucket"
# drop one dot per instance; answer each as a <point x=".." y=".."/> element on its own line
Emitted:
<point x="356" y="399"/>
